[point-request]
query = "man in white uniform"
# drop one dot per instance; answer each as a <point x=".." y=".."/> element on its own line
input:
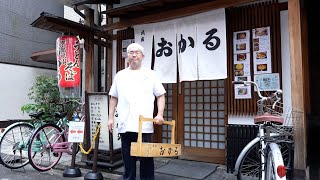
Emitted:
<point x="133" y="93"/>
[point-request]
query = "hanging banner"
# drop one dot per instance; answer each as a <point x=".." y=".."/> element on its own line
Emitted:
<point x="165" y="64"/>
<point x="144" y="36"/>
<point x="212" y="45"/>
<point x="68" y="61"/>
<point x="187" y="49"/>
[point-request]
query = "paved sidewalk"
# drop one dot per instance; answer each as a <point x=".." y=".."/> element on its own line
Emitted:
<point x="165" y="169"/>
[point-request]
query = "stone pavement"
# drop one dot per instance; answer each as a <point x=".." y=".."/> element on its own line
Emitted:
<point x="165" y="169"/>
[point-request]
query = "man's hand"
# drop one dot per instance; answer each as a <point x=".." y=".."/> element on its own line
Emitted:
<point x="159" y="120"/>
<point x="110" y="125"/>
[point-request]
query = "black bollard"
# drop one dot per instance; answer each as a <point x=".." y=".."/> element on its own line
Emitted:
<point x="72" y="171"/>
<point x="94" y="175"/>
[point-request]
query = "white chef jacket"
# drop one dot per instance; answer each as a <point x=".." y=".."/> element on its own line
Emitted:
<point x="136" y="91"/>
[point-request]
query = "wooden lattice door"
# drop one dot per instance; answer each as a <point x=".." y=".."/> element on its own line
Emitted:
<point x="199" y="108"/>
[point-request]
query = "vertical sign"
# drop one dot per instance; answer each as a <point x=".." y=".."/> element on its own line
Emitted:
<point x="98" y="112"/>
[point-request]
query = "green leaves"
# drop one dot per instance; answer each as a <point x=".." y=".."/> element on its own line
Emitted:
<point x="45" y="90"/>
<point x="46" y="97"/>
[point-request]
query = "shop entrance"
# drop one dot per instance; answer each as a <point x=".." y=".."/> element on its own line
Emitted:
<point x="199" y="110"/>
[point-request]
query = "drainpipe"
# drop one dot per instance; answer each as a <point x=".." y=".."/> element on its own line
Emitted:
<point x="75" y="8"/>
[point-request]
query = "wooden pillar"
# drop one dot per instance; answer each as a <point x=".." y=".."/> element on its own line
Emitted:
<point x="88" y="72"/>
<point x="89" y="47"/>
<point x="297" y="81"/>
<point x="108" y="59"/>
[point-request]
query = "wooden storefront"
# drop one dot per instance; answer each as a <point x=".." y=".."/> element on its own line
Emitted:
<point x="201" y="108"/>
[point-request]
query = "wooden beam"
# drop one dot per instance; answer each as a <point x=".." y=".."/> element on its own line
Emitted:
<point x="175" y="13"/>
<point x="101" y="43"/>
<point x="297" y="83"/>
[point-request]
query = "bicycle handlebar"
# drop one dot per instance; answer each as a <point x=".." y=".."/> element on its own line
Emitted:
<point x="69" y="101"/>
<point x="76" y="101"/>
<point x="275" y="96"/>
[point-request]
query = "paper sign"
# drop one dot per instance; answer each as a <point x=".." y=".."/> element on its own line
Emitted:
<point x="76" y="131"/>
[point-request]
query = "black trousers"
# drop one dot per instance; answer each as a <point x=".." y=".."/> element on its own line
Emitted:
<point x="146" y="163"/>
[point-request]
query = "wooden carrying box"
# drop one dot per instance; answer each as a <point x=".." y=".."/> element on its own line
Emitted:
<point x="143" y="149"/>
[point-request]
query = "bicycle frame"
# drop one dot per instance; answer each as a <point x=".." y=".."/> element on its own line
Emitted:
<point x="63" y="146"/>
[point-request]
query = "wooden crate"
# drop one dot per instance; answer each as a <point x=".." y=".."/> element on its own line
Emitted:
<point x="143" y="149"/>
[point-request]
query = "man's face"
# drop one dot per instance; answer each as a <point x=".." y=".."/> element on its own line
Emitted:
<point x="135" y="57"/>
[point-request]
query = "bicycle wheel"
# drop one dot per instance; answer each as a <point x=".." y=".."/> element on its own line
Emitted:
<point x="250" y="166"/>
<point x="274" y="166"/>
<point x="251" y="161"/>
<point x="286" y="149"/>
<point x="13" y="145"/>
<point x="40" y="151"/>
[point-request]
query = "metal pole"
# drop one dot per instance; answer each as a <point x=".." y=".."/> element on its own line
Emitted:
<point x="95" y="153"/>
<point x="94" y="175"/>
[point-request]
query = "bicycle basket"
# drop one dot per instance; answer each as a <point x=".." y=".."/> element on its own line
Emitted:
<point x="292" y="118"/>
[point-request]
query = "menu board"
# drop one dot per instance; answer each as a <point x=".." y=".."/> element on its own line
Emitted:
<point x="261" y="58"/>
<point x="241" y="63"/>
<point x="261" y="50"/>
<point x="98" y="113"/>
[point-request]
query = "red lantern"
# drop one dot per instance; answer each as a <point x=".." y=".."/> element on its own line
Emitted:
<point x="68" y="61"/>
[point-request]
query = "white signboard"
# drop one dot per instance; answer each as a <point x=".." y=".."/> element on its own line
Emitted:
<point x="76" y="131"/>
<point x="98" y="112"/>
<point x="268" y="82"/>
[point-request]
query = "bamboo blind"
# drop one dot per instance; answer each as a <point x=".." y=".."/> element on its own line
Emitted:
<point x="247" y="18"/>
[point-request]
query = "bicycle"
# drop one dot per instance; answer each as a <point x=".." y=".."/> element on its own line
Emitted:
<point x="269" y="155"/>
<point x="14" y="142"/>
<point x="48" y="142"/>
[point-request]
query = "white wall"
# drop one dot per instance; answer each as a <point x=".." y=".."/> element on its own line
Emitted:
<point x="285" y="56"/>
<point x="15" y="84"/>
<point x="71" y="15"/>
<point x="286" y="74"/>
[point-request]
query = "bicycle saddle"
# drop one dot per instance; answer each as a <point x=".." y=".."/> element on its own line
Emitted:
<point x="267" y="117"/>
<point x="60" y="114"/>
<point x="36" y="115"/>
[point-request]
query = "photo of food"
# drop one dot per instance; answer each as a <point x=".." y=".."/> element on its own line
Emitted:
<point x="243" y="78"/>
<point x="241" y="35"/>
<point x="242" y="91"/>
<point x="238" y="73"/>
<point x="256" y="46"/>
<point x="238" y="67"/>
<point x="261" y="55"/>
<point x="241" y="57"/>
<point x="261" y="32"/>
<point x="262" y="67"/>
<point x="241" y="46"/>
